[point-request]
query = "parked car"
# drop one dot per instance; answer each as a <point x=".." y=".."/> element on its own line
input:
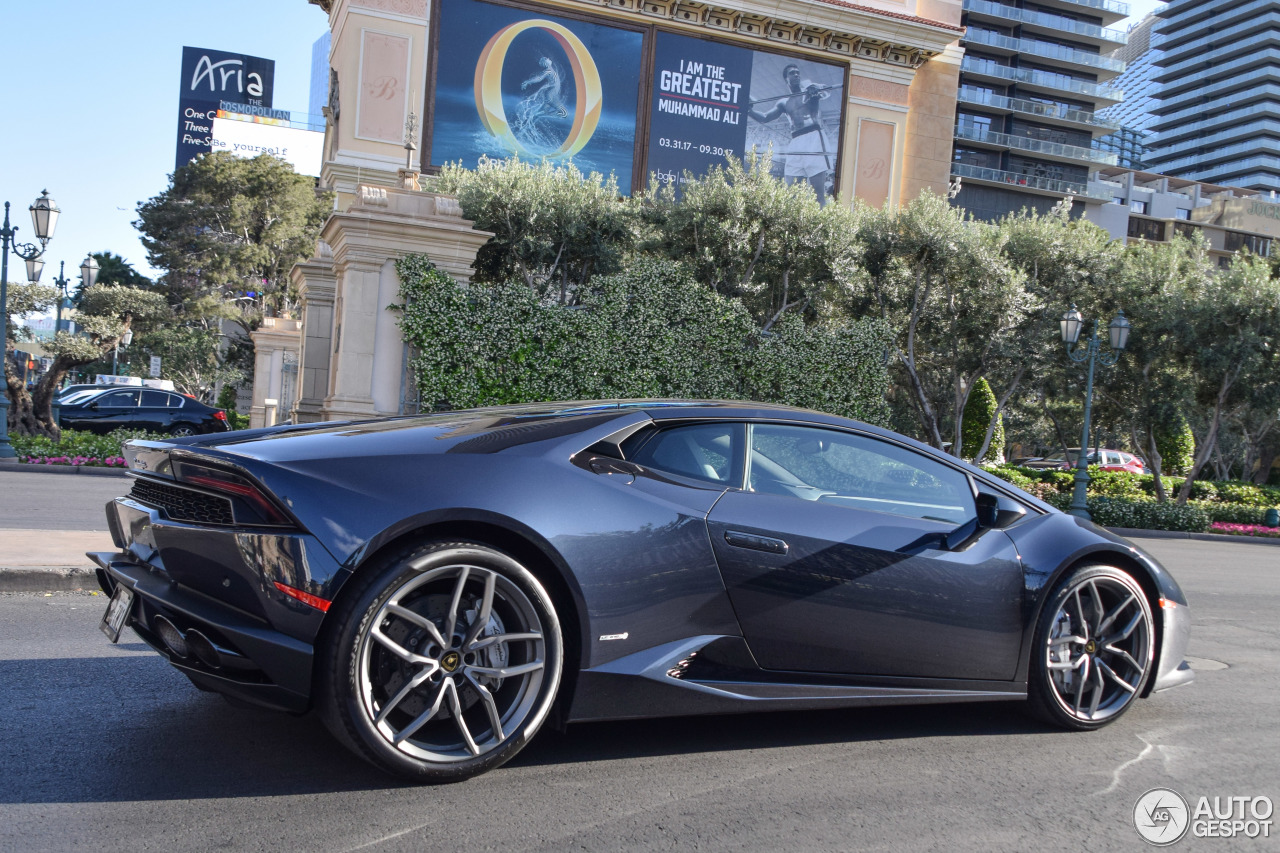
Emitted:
<point x="437" y="587"/>
<point x="74" y="390"/>
<point x="140" y="408"/>
<point x="1109" y="460"/>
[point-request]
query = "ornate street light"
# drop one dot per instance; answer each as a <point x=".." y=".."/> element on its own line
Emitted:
<point x="88" y="275"/>
<point x="44" y="218"/>
<point x="123" y="341"/>
<point x="1118" y="336"/>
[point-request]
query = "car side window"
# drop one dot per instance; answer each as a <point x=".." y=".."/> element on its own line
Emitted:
<point x="155" y="399"/>
<point x="855" y="471"/>
<point x="700" y="451"/>
<point x="118" y="400"/>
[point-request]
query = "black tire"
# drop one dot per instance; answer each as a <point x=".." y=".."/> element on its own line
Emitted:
<point x="1093" y="649"/>
<point x="412" y="652"/>
<point x="182" y="431"/>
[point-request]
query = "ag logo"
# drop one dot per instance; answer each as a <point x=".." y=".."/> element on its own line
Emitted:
<point x="586" y="79"/>
<point x="1161" y="816"/>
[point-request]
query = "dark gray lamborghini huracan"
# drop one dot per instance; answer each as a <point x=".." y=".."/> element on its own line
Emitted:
<point x="437" y="587"/>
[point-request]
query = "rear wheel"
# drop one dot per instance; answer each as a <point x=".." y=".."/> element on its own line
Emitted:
<point x="1093" y="649"/>
<point x="182" y="430"/>
<point x="445" y="664"/>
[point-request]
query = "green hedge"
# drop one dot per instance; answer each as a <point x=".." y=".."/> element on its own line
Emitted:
<point x="75" y="445"/>
<point x="649" y="331"/>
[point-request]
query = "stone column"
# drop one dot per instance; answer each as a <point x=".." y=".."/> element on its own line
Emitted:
<point x="272" y="338"/>
<point x="316" y="282"/>
<point x="383" y="225"/>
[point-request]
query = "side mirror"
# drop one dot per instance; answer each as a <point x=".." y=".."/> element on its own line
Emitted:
<point x="93" y="405"/>
<point x="988" y="506"/>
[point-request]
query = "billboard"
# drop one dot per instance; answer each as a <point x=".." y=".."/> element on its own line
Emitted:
<point x="712" y="100"/>
<point x="208" y="78"/>
<point x="518" y="82"/>
<point x="515" y="80"/>
<point x="302" y="148"/>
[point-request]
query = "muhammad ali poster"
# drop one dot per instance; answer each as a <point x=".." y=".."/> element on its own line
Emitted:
<point x="712" y="100"/>
<point x="512" y="81"/>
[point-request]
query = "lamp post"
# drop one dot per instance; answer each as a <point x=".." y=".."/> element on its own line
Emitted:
<point x="88" y="275"/>
<point x="123" y="341"/>
<point x="44" y="218"/>
<point x="1118" y="334"/>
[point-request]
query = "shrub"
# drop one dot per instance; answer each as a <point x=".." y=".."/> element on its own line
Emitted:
<point x="1114" y="484"/>
<point x="649" y="331"/>
<point x="978" y="411"/>
<point x="76" y="447"/>
<point x="1233" y="513"/>
<point x="1176" y="444"/>
<point x="1147" y="515"/>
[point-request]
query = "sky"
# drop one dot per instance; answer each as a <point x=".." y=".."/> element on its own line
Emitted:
<point x="89" y="101"/>
<point x="89" y="105"/>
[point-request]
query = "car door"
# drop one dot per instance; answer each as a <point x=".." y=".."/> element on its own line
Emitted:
<point x="155" y="412"/>
<point x="110" y="411"/>
<point x="836" y="558"/>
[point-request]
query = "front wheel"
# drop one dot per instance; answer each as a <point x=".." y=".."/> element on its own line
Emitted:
<point x="1093" y="649"/>
<point x="444" y="665"/>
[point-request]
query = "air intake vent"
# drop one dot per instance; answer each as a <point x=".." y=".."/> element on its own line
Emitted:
<point x="183" y="504"/>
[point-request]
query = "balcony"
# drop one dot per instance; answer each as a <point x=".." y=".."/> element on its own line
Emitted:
<point x="1201" y="53"/>
<point x="1051" y="150"/>
<point x="1056" y="23"/>
<point x="1175" y="129"/>
<point x="971" y="95"/>
<point x="1214" y="145"/>
<point x="1044" y="50"/>
<point x="1217" y="159"/>
<point x="1189" y="24"/>
<point x="1043" y="79"/>
<point x="1226" y="75"/>
<point x="1047" y="186"/>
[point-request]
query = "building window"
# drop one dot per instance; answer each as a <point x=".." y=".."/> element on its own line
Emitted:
<point x="1235" y="241"/>
<point x="1118" y="199"/>
<point x="1138" y="206"/>
<point x="1182" y="213"/>
<point x="1189" y="231"/>
<point x="1146" y="229"/>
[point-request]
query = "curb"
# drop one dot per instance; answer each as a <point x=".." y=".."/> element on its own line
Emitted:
<point x="1133" y="533"/>
<point x="47" y="579"/>
<point x="65" y="470"/>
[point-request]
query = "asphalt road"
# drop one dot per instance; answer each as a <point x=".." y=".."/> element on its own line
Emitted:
<point x="106" y="748"/>
<point x="42" y="501"/>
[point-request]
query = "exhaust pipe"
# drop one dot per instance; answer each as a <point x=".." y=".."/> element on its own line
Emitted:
<point x="204" y="649"/>
<point x="169" y="634"/>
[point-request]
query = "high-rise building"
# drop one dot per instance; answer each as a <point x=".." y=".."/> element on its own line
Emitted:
<point x="319" y="90"/>
<point x="1217" y="113"/>
<point x="1033" y="78"/>
<point x="1134" y="115"/>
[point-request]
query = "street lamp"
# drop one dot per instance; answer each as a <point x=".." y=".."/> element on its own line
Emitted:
<point x="123" y="341"/>
<point x="1118" y="335"/>
<point x="88" y="275"/>
<point x="44" y="218"/>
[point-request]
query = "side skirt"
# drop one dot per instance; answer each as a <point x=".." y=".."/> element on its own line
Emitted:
<point x="716" y="675"/>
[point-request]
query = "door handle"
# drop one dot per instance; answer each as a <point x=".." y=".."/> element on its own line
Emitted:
<point x="751" y="541"/>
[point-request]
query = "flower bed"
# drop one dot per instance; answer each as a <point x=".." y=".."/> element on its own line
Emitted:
<point x="1245" y="529"/>
<point x="90" y="461"/>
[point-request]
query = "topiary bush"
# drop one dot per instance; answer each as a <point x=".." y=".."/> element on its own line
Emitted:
<point x="978" y="411"/>
<point x="1176" y="444"/>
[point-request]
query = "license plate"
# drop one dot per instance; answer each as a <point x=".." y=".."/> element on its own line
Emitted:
<point x="117" y="613"/>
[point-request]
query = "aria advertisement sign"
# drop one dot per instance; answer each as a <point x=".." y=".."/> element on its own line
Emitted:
<point x="514" y="82"/>
<point x="210" y="77"/>
<point x="713" y="100"/>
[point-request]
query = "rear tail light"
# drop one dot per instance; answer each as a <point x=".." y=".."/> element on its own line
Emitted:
<point x="251" y="504"/>
<point x="220" y="415"/>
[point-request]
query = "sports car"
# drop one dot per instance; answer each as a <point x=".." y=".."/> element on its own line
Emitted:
<point x="438" y="587"/>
